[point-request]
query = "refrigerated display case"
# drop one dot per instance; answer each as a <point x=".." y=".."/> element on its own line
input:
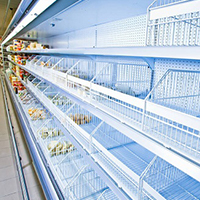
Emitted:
<point x="113" y="99"/>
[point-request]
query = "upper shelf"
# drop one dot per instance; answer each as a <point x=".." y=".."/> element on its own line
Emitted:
<point x="84" y="14"/>
<point x="149" y="52"/>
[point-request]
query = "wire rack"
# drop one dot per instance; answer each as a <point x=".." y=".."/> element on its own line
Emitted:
<point x="179" y="90"/>
<point x="173" y="30"/>
<point x="159" y="174"/>
<point x="75" y="177"/>
<point x="168" y="180"/>
<point x="134" y="80"/>
<point x="167" y="130"/>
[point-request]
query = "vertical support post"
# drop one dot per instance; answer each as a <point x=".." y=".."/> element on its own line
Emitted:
<point x="140" y="189"/>
<point x="114" y="74"/>
<point x="172" y="33"/>
<point x="152" y="78"/>
<point x="91" y="135"/>
<point x="196" y="32"/>
<point x="189" y="32"/>
<point x="143" y="114"/>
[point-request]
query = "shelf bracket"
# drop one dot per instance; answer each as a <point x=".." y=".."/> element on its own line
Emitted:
<point x="150" y="62"/>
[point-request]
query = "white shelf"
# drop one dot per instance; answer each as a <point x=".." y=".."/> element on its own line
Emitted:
<point x="142" y="52"/>
<point x="154" y="144"/>
<point x="65" y="120"/>
<point x="40" y="165"/>
<point x="66" y="130"/>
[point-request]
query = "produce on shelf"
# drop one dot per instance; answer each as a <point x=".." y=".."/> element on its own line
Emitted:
<point x="25" y="97"/>
<point x="20" y="45"/>
<point x="80" y="118"/>
<point x="57" y="148"/>
<point x="50" y="132"/>
<point x="17" y="85"/>
<point x="59" y="100"/>
<point x="36" y="113"/>
<point x="20" y="59"/>
<point x="20" y="72"/>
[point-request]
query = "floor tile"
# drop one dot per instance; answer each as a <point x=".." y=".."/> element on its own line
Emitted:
<point x="6" y="161"/>
<point x="8" y="172"/>
<point x="2" y="188"/>
<point x="5" y="152"/>
<point x="14" y="196"/>
<point x="4" y="144"/>
<point x="11" y="186"/>
<point x="4" y="137"/>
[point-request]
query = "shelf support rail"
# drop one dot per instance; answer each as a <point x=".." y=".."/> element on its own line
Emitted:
<point x="75" y="177"/>
<point x="140" y="188"/>
<point x="149" y="95"/>
<point x="68" y="154"/>
<point x="41" y="81"/>
<point x="73" y="67"/>
<point x="101" y="70"/>
<point x="102" y="194"/>
<point x="55" y="97"/>
<point x="47" y="62"/>
<point x="91" y="135"/>
<point x="55" y="65"/>
<point x="92" y="81"/>
<point x="42" y="126"/>
<point x="17" y="156"/>
<point x="70" y="108"/>
<point x="38" y="60"/>
<point x="67" y="102"/>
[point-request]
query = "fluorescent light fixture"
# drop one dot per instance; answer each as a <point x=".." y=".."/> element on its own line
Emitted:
<point x="38" y="8"/>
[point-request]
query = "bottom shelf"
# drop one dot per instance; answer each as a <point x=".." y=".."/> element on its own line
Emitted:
<point x="163" y="177"/>
<point x="49" y="189"/>
<point x="63" y="172"/>
<point x="149" y="177"/>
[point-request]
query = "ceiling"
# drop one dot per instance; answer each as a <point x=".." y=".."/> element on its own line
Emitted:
<point x="5" y="19"/>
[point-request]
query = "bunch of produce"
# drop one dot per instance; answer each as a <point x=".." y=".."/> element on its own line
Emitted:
<point x="56" y="148"/>
<point x="80" y="118"/>
<point x="36" y="113"/>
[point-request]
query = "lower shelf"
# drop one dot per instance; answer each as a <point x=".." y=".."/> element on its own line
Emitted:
<point x="119" y="156"/>
<point x="64" y="174"/>
<point x="43" y="172"/>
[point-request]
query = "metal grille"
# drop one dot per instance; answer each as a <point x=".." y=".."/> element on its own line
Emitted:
<point x="176" y="30"/>
<point x="180" y="90"/>
<point x="162" y="65"/>
<point x="126" y="32"/>
<point x="130" y="79"/>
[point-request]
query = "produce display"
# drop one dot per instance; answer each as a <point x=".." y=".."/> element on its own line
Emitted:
<point x="19" y="45"/>
<point x="20" y="59"/>
<point x="50" y="132"/>
<point x="56" y="148"/>
<point x="36" y="113"/>
<point x="25" y="97"/>
<point x="80" y="118"/>
<point x="17" y="85"/>
<point x="59" y="100"/>
<point x="23" y="74"/>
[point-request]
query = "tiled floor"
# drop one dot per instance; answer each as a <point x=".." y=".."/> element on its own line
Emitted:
<point x="9" y="182"/>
